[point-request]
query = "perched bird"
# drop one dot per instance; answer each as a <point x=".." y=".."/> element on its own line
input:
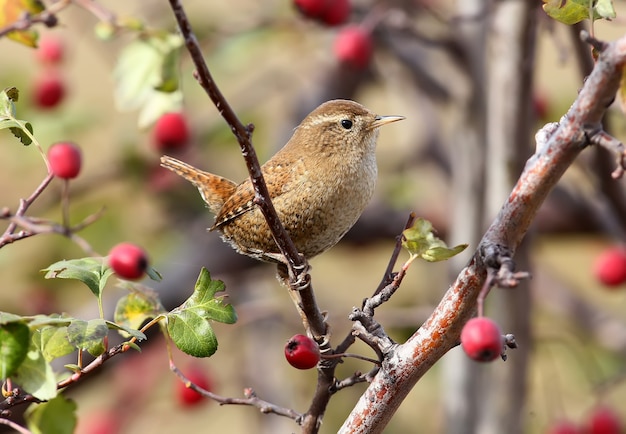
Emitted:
<point x="319" y="183"/>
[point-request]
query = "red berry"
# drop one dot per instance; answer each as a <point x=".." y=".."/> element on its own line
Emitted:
<point x="482" y="340"/>
<point x="312" y="8"/>
<point x="50" y="50"/>
<point x="188" y="397"/>
<point x="603" y="420"/>
<point x="353" y="46"/>
<point x="65" y="160"/>
<point x="48" y="90"/>
<point x="610" y="267"/>
<point x="171" y="132"/>
<point x="128" y="261"/>
<point x="563" y="427"/>
<point x="336" y="13"/>
<point x="302" y="352"/>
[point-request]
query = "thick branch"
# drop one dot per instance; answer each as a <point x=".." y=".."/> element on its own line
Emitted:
<point x="441" y="331"/>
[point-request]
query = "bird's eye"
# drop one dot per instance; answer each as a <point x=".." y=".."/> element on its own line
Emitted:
<point x="346" y="123"/>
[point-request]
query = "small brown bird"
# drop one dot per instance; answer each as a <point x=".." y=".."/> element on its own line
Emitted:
<point x="319" y="182"/>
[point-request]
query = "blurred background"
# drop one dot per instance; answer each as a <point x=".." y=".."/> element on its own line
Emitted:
<point x="475" y="81"/>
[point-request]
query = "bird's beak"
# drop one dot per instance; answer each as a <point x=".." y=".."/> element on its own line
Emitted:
<point x="384" y="120"/>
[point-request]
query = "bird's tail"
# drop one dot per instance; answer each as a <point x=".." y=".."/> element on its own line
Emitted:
<point x="214" y="189"/>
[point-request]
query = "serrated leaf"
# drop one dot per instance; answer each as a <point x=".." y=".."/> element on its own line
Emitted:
<point x="53" y="342"/>
<point x="14" y="343"/>
<point x="420" y="241"/>
<point x="204" y="301"/>
<point x="146" y="77"/>
<point x="88" y="335"/>
<point x="91" y="271"/>
<point x="134" y="309"/>
<point x="12" y="10"/>
<point x="189" y="325"/>
<point x="570" y="11"/>
<point x="35" y="375"/>
<point x="127" y="331"/>
<point x="57" y="416"/>
<point x="192" y="334"/>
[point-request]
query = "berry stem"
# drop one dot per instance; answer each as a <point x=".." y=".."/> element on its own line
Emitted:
<point x="353" y="355"/>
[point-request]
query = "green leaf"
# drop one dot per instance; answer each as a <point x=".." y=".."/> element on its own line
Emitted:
<point x="127" y="331"/>
<point x="35" y="375"/>
<point x="57" y="416"/>
<point x="436" y="254"/>
<point x="14" y="342"/>
<point x="605" y="9"/>
<point x="88" y="335"/>
<point x="574" y="11"/>
<point x="189" y="325"/>
<point x="54" y="320"/>
<point x="91" y="271"/>
<point x="146" y="77"/>
<point x="8" y="98"/>
<point x="21" y="134"/>
<point x="54" y="342"/>
<point x="420" y="241"/>
<point x="192" y="334"/>
<point x="136" y="308"/>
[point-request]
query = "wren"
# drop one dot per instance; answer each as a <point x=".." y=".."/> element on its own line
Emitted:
<point x="319" y="183"/>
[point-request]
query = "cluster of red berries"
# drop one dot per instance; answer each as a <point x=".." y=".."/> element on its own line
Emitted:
<point x="353" y="44"/>
<point x="610" y="267"/>
<point x="49" y="89"/>
<point x="601" y="420"/>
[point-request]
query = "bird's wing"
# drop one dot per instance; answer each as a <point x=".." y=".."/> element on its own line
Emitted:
<point x="278" y="178"/>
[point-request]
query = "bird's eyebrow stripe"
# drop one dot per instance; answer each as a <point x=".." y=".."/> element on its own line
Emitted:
<point x="321" y="119"/>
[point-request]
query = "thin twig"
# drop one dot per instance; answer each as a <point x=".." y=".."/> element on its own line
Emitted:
<point x="46" y="17"/>
<point x="15" y="426"/>
<point x="250" y="399"/>
<point x="21" y="210"/>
